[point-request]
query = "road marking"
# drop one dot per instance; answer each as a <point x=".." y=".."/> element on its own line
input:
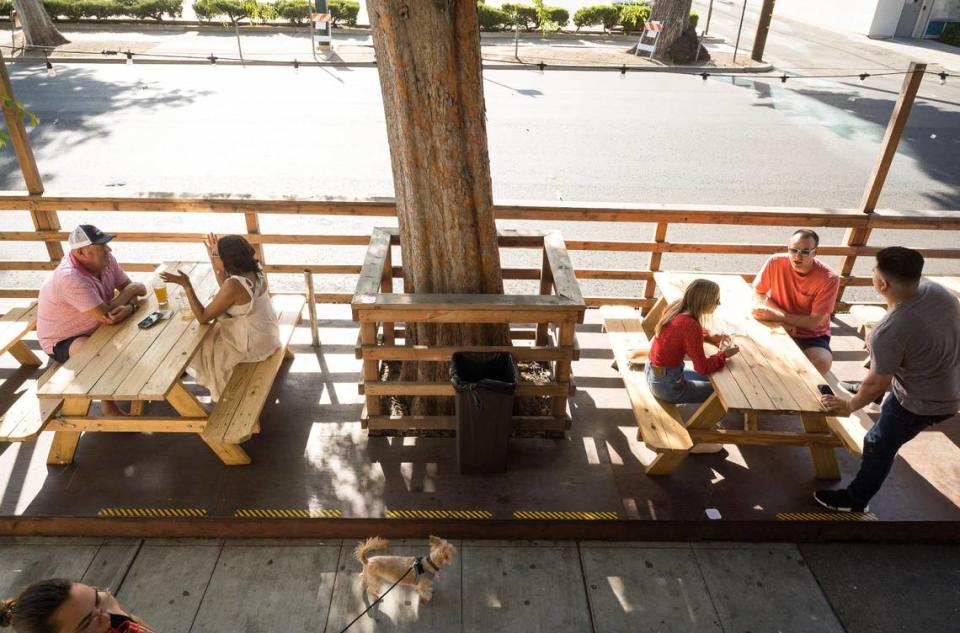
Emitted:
<point x="826" y="516"/>
<point x="439" y="514"/>
<point x="568" y="516"/>
<point x="152" y="512"/>
<point x="288" y="513"/>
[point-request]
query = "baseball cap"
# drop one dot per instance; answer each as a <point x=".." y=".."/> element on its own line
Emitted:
<point x="87" y="234"/>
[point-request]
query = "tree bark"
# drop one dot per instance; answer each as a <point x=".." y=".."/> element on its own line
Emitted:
<point x="675" y="15"/>
<point x="428" y="56"/>
<point x="38" y="28"/>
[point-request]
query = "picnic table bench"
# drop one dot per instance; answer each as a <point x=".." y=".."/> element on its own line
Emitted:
<point x="770" y="375"/>
<point x="14" y="325"/>
<point x="123" y="362"/>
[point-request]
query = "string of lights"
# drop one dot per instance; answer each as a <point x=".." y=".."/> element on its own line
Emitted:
<point x="540" y="66"/>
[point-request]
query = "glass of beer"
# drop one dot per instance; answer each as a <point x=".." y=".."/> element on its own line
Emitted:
<point x="160" y="289"/>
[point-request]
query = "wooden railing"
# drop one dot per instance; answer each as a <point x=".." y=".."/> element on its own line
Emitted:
<point x="661" y="217"/>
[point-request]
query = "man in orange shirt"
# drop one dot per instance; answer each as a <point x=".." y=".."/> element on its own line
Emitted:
<point x="799" y="292"/>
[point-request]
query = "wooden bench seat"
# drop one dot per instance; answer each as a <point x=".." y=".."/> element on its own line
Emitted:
<point x="850" y="429"/>
<point x="28" y="416"/>
<point x="659" y="424"/>
<point x="14" y="325"/>
<point x="236" y="415"/>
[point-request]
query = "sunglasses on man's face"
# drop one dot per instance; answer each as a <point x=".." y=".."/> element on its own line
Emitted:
<point x="806" y="252"/>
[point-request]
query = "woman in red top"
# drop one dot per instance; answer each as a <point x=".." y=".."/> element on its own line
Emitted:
<point x="680" y="334"/>
<point x="59" y="605"/>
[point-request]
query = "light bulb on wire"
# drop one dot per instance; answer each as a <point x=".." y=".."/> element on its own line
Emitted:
<point x="51" y="72"/>
<point x="540" y="68"/>
<point x="129" y="58"/>
<point x="943" y="77"/>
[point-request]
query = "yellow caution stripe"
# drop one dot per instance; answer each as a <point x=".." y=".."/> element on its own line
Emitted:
<point x="165" y="513"/>
<point x="568" y="516"/>
<point x="288" y="513"/>
<point x="439" y="514"/>
<point x="826" y="516"/>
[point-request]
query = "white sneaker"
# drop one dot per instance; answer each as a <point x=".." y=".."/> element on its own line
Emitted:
<point x="706" y="448"/>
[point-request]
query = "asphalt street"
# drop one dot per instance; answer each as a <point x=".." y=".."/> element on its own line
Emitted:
<point x="560" y="135"/>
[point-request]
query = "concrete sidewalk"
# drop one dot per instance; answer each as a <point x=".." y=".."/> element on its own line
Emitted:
<point x="215" y="586"/>
<point x="282" y="45"/>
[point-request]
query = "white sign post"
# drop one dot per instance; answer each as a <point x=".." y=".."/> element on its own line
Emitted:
<point x="652" y="28"/>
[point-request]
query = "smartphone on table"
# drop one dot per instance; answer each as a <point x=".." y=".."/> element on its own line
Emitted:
<point x="825" y="390"/>
<point x="152" y="319"/>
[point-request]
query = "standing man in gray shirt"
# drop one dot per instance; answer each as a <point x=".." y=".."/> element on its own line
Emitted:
<point x="915" y="351"/>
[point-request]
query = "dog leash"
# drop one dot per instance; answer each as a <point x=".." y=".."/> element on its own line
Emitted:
<point x="375" y="602"/>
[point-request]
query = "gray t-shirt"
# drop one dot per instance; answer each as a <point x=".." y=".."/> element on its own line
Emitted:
<point x="918" y="341"/>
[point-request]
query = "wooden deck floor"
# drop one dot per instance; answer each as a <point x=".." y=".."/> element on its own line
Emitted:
<point x="313" y="460"/>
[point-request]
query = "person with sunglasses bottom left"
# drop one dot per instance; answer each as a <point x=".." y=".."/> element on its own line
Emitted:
<point x="59" y="605"/>
<point x="799" y="292"/>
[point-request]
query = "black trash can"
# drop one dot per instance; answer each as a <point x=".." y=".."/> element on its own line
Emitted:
<point x="485" y="383"/>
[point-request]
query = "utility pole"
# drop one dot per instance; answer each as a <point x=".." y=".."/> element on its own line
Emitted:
<point x="763" y="27"/>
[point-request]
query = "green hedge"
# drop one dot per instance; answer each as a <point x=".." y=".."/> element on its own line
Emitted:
<point x="343" y="11"/>
<point x="951" y="34"/>
<point x="559" y="15"/>
<point x="527" y="16"/>
<point x="605" y="14"/>
<point x="492" y="18"/>
<point x="633" y="16"/>
<point x="102" y="9"/>
<point x="295" y="11"/>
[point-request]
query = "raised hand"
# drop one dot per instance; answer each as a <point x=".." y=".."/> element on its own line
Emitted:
<point x="180" y="278"/>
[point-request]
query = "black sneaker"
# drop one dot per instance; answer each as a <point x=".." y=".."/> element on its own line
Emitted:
<point x="838" y="501"/>
<point x="853" y="386"/>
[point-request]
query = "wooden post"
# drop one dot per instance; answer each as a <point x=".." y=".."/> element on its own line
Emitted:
<point x="42" y="220"/>
<point x="888" y="149"/>
<point x="371" y="367"/>
<point x="562" y="372"/>
<point x="546" y="287"/>
<point x="763" y="28"/>
<point x="386" y="285"/>
<point x="253" y="228"/>
<point x="312" y="308"/>
<point x="650" y="286"/>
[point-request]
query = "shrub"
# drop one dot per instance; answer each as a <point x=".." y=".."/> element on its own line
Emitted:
<point x="343" y="11"/>
<point x="492" y="18"/>
<point x="605" y="14"/>
<point x="524" y="14"/>
<point x="559" y="15"/>
<point x="66" y="9"/>
<point x="633" y="16"/>
<point x="694" y="18"/>
<point x="295" y="11"/>
<point x="102" y="9"/>
<point x="6" y="6"/>
<point x="234" y="10"/>
<point x="951" y="34"/>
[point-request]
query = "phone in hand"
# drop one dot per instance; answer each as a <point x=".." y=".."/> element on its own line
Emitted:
<point x="152" y="319"/>
<point x="825" y="390"/>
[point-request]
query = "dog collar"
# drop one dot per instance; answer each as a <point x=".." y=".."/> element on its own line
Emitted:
<point x="420" y="567"/>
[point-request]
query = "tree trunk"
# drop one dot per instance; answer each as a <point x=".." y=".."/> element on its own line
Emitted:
<point x="428" y="56"/>
<point x="675" y="15"/>
<point x="38" y="28"/>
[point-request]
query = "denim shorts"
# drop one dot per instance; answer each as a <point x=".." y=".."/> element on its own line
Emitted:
<point x="676" y="385"/>
<point x="806" y="342"/>
<point x="61" y="351"/>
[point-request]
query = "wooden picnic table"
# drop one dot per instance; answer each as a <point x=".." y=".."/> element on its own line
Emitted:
<point x="769" y="375"/>
<point x="123" y="362"/>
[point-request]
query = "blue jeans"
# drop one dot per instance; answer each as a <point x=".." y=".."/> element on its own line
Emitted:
<point x="676" y="385"/>
<point x="896" y="427"/>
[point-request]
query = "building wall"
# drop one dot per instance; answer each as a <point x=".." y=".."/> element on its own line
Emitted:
<point x="875" y="18"/>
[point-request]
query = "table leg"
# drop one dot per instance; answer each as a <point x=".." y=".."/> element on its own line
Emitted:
<point x="709" y="413"/>
<point x="824" y="459"/>
<point x="137" y="406"/>
<point x="751" y="421"/>
<point x="65" y="442"/>
<point x="189" y="407"/>
<point x="24" y="355"/>
<point x="665" y="462"/>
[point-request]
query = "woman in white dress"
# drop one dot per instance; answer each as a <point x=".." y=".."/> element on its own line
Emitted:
<point x="247" y="328"/>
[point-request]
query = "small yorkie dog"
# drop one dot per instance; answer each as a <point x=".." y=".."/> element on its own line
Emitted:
<point x="390" y="568"/>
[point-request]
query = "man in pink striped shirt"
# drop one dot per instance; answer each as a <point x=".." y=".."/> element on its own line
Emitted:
<point x="86" y="290"/>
